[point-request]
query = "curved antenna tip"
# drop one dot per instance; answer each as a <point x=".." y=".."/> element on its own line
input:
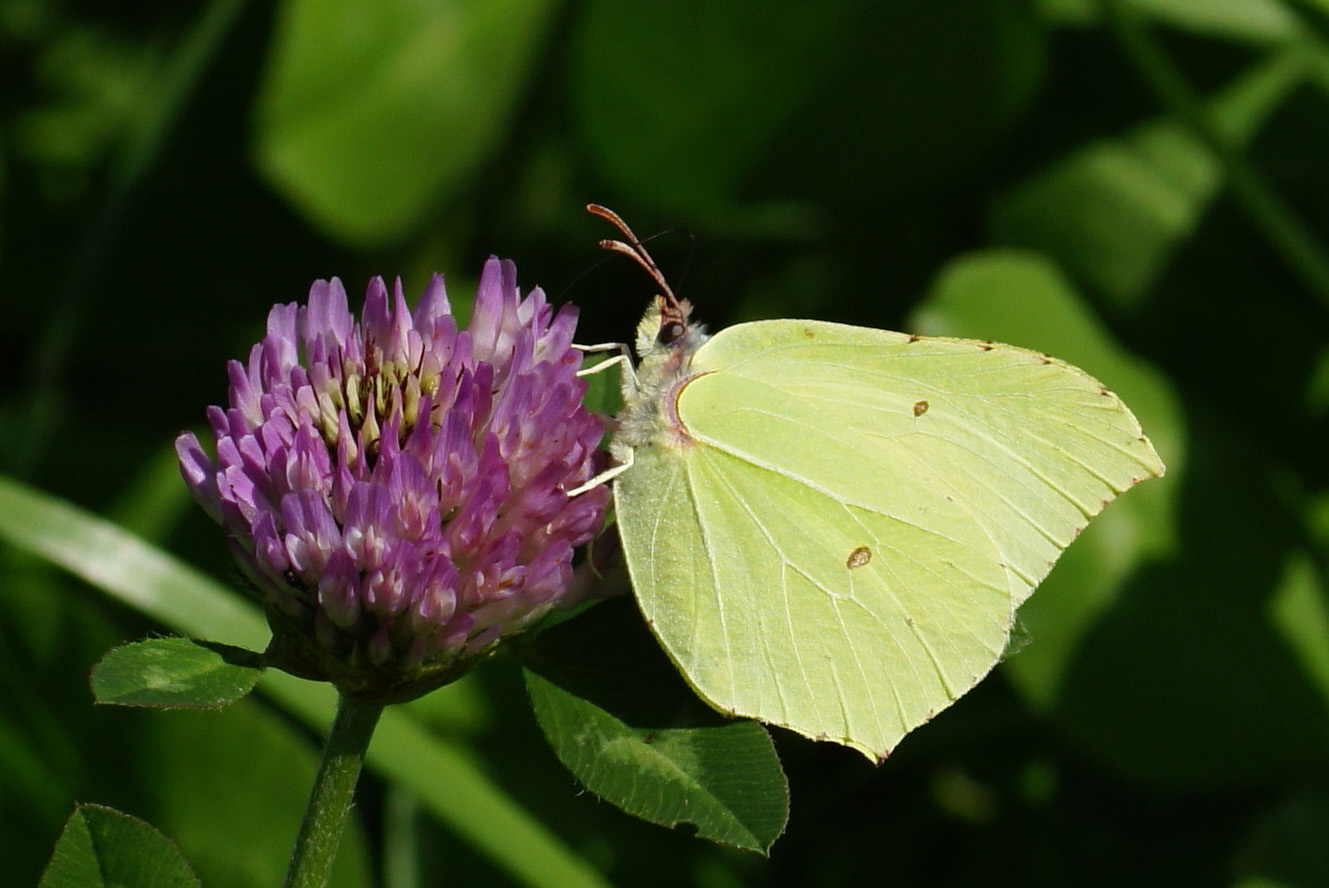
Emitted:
<point x="633" y="247"/>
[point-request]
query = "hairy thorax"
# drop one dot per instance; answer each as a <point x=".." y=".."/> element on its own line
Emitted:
<point x="650" y="394"/>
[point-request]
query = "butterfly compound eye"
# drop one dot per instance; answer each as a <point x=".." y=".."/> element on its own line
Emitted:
<point x="670" y="333"/>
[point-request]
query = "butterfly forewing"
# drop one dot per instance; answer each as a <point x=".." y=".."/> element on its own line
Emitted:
<point x="1030" y="447"/>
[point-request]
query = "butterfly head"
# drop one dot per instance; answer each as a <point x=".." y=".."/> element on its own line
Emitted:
<point x="667" y="327"/>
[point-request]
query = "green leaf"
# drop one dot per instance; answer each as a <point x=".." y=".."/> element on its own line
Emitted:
<point x="621" y="719"/>
<point x="669" y="776"/>
<point x="175" y="672"/>
<point x="1021" y="298"/>
<point x="123" y="566"/>
<point x="603" y="393"/>
<point x="1299" y="612"/>
<point x="1113" y="213"/>
<point x="449" y="784"/>
<point x="372" y="114"/>
<point x="1255" y="20"/>
<point x="102" y="848"/>
<point x="1258" y="21"/>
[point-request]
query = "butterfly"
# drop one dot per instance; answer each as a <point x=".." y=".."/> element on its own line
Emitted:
<point x="830" y="527"/>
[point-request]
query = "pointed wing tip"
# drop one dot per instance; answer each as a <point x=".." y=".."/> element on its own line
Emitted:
<point x="868" y="749"/>
<point x="1154" y="469"/>
<point x="878" y="757"/>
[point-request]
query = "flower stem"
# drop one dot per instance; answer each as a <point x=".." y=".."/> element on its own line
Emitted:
<point x="334" y="788"/>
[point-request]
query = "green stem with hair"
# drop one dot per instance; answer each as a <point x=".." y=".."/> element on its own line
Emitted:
<point x="334" y="790"/>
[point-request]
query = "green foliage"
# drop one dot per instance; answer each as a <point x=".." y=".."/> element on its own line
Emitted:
<point x="1114" y="212"/>
<point x="102" y="848"/>
<point x="202" y="762"/>
<point x="175" y="672"/>
<point x="669" y="776"/>
<point x="404" y="751"/>
<point x="602" y="386"/>
<point x="634" y="734"/>
<point x="341" y="128"/>
<point x="1137" y="187"/>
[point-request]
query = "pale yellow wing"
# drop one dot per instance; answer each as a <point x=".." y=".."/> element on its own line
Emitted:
<point x="841" y="549"/>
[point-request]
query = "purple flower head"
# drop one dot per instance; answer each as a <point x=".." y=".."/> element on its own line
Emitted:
<point x="396" y="488"/>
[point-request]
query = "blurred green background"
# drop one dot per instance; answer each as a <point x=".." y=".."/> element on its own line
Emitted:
<point x="1138" y="187"/>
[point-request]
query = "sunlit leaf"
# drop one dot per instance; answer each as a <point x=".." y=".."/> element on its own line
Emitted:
<point x="1258" y="21"/>
<point x="669" y="776"/>
<point x="372" y="114"/>
<point x="622" y="720"/>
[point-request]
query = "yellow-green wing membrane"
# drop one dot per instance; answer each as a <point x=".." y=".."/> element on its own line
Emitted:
<point x="841" y="541"/>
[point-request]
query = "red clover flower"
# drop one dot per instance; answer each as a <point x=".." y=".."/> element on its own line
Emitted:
<point x="396" y="489"/>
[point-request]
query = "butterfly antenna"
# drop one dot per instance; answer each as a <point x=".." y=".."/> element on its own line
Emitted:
<point x="633" y="247"/>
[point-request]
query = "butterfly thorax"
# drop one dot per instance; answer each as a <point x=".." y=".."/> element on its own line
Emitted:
<point x="666" y="342"/>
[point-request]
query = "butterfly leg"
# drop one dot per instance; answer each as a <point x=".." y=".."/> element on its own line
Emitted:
<point x="616" y="360"/>
<point x="628" y="378"/>
<point x="601" y="347"/>
<point x="608" y="474"/>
